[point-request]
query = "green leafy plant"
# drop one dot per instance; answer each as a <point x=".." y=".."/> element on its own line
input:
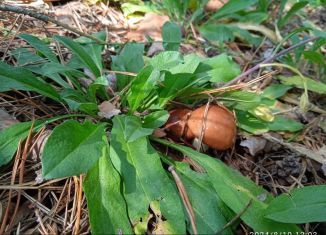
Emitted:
<point x="127" y="183"/>
<point x="238" y="19"/>
<point x="297" y="207"/>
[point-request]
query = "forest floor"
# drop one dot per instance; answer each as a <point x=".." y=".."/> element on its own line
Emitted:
<point x="59" y="206"/>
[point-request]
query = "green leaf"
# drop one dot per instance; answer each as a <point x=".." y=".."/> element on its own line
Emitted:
<point x="72" y="149"/>
<point x="146" y="184"/>
<point x="224" y="33"/>
<point x="155" y="119"/>
<point x="250" y="123"/>
<point x="275" y="91"/>
<point x="10" y="137"/>
<point x="188" y="65"/>
<point x="312" y="85"/>
<point x="39" y="65"/>
<point x="232" y="6"/>
<point x="263" y="5"/>
<point x="321" y="34"/>
<point x="172" y="86"/>
<point x="166" y="60"/>
<point x="105" y="202"/>
<point x="314" y="57"/>
<point x="25" y="57"/>
<point x="133" y="129"/>
<point x="73" y="94"/>
<point x="171" y="34"/>
<point x="41" y="46"/>
<point x="142" y="86"/>
<point x="92" y="48"/>
<point x="81" y="53"/>
<point x="97" y="86"/>
<point x="302" y="205"/>
<point x="176" y="9"/>
<point x="77" y="100"/>
<point x="208" y="207"/>
<point x="129" y="8"/>
<point x="284" y="124"/>
<point x="236" y="191"/>
<point x="22" y="79"/>
<point x="175" y="63"/>
<point x="214" y="32"/>
<point x="294" y="9"/>
<point x="130" y="59"/>
<point x="219" y="68"/>
<point x="242" y="100"/>
<point x="89" y="108"/>
<point x="246" y="36"/>
<point x="53" y="68"/>
<point x="254" y="17"/>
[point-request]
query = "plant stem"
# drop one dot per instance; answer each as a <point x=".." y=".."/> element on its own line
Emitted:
<point x="232" y="221"/>
<point x="242" y="76"/>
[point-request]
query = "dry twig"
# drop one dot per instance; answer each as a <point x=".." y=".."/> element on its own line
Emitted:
<point x="45" y="18"/>
<point x="185" y="198"/>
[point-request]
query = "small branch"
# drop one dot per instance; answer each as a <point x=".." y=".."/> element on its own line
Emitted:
<point x="185" y="198"/>
<point x="235" y="218"/>
<point x="45" y="18"/>
<point x="242" y="76"/>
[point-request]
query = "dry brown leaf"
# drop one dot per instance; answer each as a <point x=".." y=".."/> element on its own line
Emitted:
<point x="155" y="48"/>
<point x="39" y="144"/>
<point x="214" y="5"/>
<point x="150" y="25"/>
<point x="107" y="110"/>
<point x="159" y="133"/>
<point x="254" y="144"/>
<point x="6" y="120"/>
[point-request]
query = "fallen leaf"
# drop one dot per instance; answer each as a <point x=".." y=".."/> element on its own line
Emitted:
<point x="159" y="133"/>
<point x="112" y="79"/>
<point x="6" y="120"/>
<point x="155" y="48"/>
<point x="65" y="15"/>
<point x="214" y="5"/>
<point x="107" y="110"/>
<point x="151" y="25"/>
<point x="39" y="145"/>
<point x="254" y="144"/>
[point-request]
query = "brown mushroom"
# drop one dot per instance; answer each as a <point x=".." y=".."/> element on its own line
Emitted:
<point x="177" y="123"/>
<point x="219" y="130"/>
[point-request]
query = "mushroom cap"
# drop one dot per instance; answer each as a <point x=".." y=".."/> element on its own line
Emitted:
<point x="177" y="123"/>
<point x="220" y="128"/>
